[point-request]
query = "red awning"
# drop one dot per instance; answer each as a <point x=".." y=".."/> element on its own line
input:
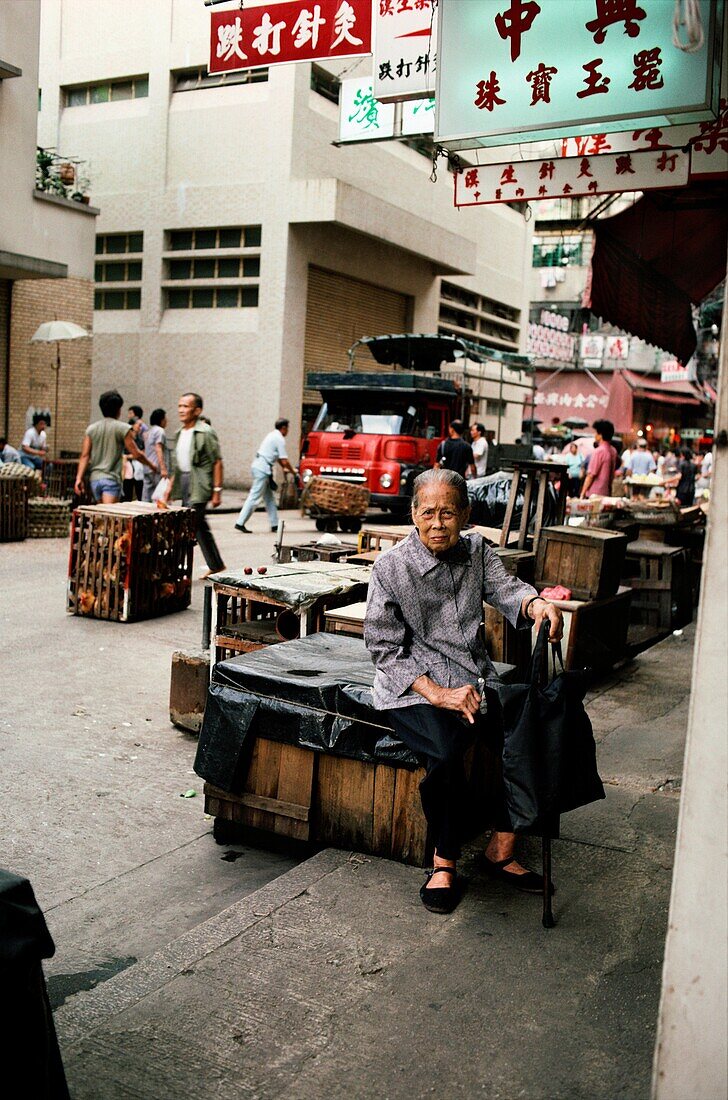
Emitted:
<point x="655" y="258"/>
<point x="667" y="393"/>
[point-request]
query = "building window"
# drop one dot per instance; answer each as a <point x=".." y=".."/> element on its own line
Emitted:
<point x="558" y="251"/>
<point x="127" y="269"/>
<point x="222" y="297"/>
<point x="190" y="80"/>
<point x="477" y="318"/>
<point x="106" y="91"/>
<point x="495" y="407"/>
<point x="230" y="268"/>
<point x="325" y="84"/>
<point x="116" y="244"/>
<point x="118" y="299"/>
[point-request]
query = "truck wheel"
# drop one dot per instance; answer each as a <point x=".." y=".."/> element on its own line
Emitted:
<point x="322" y="524"/>
<point x="351" y="526"/>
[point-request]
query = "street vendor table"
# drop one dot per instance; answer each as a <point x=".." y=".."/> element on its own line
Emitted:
<point x="130" y="561"/>
<point x="292" y="745"/>
<point x="259" y="609"/>
<point x="315" y="551"/>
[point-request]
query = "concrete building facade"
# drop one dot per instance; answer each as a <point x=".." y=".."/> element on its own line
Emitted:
<point x="46" y="255"/>
<point x="237" y="247"/>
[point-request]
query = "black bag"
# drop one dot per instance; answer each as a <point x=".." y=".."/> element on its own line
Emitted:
<point x="549" y="755"/>
<point x="272" y="483"/>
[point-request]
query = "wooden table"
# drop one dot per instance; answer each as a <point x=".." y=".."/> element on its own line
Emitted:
<point x="250" y="611"/>
<point x="347" y="620"/>
<point x="315" y="551"/>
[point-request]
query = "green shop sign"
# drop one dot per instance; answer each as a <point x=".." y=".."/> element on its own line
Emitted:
<point x="513" y="71"/>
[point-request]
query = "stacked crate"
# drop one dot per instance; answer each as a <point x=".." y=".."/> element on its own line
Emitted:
<point x="130" y="561"/>
<point x="13" y="509"/>
<point x="48" y="518"/>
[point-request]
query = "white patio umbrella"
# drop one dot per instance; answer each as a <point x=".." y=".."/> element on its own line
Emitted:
<point x="52" y="332"/>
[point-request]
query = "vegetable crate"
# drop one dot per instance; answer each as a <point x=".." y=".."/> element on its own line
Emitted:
<point x="329" y="501"/>
<point x="13" y="509"/>
<point x="130" y="561"/>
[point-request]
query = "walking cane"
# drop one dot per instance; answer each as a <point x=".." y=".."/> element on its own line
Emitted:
<point x="548" y="917"/>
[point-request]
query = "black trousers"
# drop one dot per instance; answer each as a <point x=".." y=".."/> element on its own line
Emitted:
<point x="205" y="537"/>
<point x="440" y="739"/>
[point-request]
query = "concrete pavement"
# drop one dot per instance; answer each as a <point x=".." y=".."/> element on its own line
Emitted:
<point x="333" y="980"/>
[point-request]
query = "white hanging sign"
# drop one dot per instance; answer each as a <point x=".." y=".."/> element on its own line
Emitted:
<point x="404" y="55"/>
<point x="571" y="176"/>
<point x="363" y="118"/>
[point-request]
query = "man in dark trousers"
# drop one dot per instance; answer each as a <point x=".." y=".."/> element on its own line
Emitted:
<point x="198" y="473"/>
<point x="454" y="453"/>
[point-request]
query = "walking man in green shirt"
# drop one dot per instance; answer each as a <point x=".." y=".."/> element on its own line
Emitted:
<point x="103" y="449"/>
<point x="198" y="473"/>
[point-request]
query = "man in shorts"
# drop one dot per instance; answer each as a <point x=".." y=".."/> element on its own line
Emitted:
<point x="103" y="449"/>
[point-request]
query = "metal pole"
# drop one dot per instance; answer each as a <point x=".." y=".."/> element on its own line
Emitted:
<point x="500" y="404"/>
<point x="206" y="616"/>
<point x="55" y="410"/>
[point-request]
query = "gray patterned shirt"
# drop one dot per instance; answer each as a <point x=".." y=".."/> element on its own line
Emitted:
<point x="424" y="613"/>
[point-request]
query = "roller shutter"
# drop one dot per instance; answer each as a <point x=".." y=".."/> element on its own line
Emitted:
<point x="339" y="311"/>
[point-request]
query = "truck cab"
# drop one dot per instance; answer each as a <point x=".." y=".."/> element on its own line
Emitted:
<point x="381" y="428"/>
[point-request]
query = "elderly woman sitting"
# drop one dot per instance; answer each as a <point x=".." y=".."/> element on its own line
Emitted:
<point x="423" y="629"/>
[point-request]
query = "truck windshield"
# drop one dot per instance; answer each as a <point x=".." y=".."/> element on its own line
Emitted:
<point x="359" y="413"/>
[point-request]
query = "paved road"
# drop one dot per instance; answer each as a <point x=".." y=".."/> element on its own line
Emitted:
<point x="93" y="771"/>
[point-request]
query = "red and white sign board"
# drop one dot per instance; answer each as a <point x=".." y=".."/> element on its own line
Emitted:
<point x="571" y="176"/>
<point x="672" y="371"/>
<point x="616" y="347"/>
<point x="708" y="143"/>
<point x="293" y="30"/>
<point x="404" y="55"/>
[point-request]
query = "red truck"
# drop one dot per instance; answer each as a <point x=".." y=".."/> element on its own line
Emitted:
<point x="382" y="429"/>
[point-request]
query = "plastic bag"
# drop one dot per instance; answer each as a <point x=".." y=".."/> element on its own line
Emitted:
<point x="162" y="490"/>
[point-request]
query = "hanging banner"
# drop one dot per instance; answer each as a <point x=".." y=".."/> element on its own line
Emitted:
<point x="293" y="30"/>
<point x="520" y="70"/>
<point x="673" y="371"/>
<point x="547" y="179"/>
<point x="363" y="118"/>
<point x="591" y="346"/>
<point x="404" y="58"/>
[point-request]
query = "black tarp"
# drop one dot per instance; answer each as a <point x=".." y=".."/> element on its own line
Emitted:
<point x="315" y="692"/>
<point x="488" y="498"/>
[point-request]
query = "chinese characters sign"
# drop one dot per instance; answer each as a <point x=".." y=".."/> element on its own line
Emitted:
<point x="672" y="371"/>
<point x="520" y="70"/>
<point x="364" y="118"/>
<point x="547" y="179"/>
<point x="580" y="400"/>
<point x="550" y="339"/>
<point x="295" y="30"/>
<point x="404" y="59"/>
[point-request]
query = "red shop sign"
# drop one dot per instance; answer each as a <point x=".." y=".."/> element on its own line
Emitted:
<point x="294" y="30"/>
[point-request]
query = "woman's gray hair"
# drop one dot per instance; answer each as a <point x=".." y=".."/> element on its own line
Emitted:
<point x="441" y="477"/>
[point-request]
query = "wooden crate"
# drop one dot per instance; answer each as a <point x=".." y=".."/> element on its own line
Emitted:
<point x="48" y="518"/>
<point x="660" y="578"/>
<point x="313" y="551"/>
<point x="245" y="619"/>
<point x="346" y="620"/>
<point x="595" y="631"/>
<point x="589" y="561"/>
<point x="333" y="801"/>
<point x="13" y="509"/>
<point x="130" y="561"/>
<point x="381" y="538"/>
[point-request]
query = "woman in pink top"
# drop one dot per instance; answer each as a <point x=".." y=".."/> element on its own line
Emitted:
<point x="602" y="464"/>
